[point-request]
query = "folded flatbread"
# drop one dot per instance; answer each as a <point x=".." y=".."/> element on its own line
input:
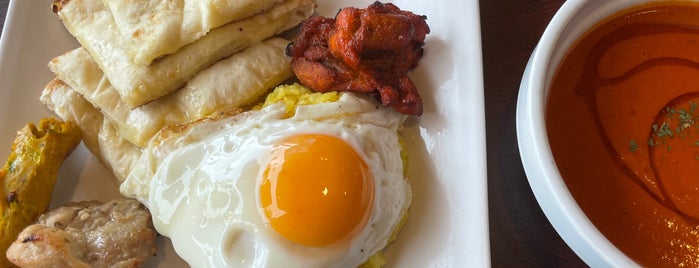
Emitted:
<point x="94" y="27"/>
<point x="230" y="83"/>
<point x="153" y="28"/>
<point x="99" y="136"/>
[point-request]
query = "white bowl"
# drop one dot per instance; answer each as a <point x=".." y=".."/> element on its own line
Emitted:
<point x="570" y="22"/>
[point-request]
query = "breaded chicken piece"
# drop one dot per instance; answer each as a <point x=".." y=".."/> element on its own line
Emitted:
<point x="119" y="233"/>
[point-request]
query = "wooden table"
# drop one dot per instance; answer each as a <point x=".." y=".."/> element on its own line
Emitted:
<point x="3" y="11"/>
<point x="520" y="234"/>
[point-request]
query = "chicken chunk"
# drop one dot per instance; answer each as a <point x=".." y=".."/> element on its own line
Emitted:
<point x="118" y="233"/>
<point x="363" y="50"/>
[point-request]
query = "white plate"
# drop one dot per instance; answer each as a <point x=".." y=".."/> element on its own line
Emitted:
<point x="448" y="224"/>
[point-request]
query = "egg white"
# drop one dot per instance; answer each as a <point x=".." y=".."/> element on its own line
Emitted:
<point x="202" y="186"/>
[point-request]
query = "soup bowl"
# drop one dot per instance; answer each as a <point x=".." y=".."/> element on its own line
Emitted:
<point x="569" y="24"/>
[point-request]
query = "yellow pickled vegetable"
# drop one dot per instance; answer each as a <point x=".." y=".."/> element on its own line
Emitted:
<point x="28" y="177"/>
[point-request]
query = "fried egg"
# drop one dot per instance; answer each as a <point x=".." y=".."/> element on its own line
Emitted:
<point x="324" y="187"/>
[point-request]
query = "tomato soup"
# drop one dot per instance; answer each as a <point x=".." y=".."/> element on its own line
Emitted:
<point x="623" y="124"/>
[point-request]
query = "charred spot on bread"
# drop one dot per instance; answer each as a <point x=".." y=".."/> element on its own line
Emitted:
<point x="58" y="5"/>
<point x="31" y="238"/>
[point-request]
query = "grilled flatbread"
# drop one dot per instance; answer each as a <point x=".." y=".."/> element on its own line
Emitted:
<point x="99" y="136"/>
<point x="70" y="106"/>
<point x="230" y="83"/>
<point x="94" y="27"/>
<point x="153" y="28"/>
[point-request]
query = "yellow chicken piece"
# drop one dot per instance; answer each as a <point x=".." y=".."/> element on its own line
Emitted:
<point x="28" y="177"/>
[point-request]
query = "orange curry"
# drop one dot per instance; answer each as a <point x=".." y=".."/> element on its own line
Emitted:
<point x="623" y="122"/>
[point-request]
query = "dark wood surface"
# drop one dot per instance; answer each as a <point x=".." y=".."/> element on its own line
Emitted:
<point x="3" y="11"/>
<point x="520" y="234"/>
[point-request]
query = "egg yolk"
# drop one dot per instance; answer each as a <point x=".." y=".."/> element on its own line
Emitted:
<point x="316" y="190"/>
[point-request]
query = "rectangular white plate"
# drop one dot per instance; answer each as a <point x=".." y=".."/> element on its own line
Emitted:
<point x="448" y="224"/>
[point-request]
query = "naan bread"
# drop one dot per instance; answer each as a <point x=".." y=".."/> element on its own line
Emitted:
<point x="70" y="106"/>
<point x="103" y="141"/>
<point x="230" y="83"/>
<point x="99" y="136"/>
<point x="153" y="28"/>
<point x="94" y="27"/>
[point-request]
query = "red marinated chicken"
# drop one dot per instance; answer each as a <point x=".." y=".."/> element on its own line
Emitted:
<point x="363" y="50"/>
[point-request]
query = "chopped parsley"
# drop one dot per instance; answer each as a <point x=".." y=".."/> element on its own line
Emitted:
<point x="651" y="142"/>
<point x="679" y="120"/>
<point x="664" y="131"/>
<point x="633" y="146"/>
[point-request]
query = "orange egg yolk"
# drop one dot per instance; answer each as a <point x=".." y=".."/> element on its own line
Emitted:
<point x="316" y="190"/>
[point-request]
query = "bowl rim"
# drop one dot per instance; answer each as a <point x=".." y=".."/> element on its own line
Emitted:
<point x="557" y="203"/>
